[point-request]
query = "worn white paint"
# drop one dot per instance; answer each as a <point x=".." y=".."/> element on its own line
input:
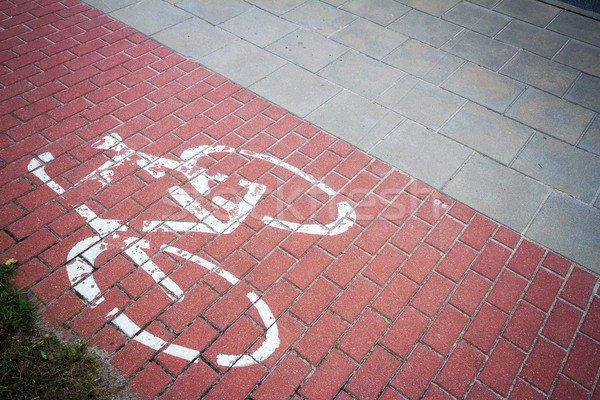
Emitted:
<point x="267" y="348"/>
<point x="334" y="228"/>
<point x="139" y="256"/>
<point x="102" y="226"/>
<point x="132" y="330"/>
<point x="203" y="263"/>
<point x="209" y="223"/>
<point x="82" y="257"/>
<point x="438" y="202"/>
<point x="88" y="288"/>
<point x="78" y="269"/>
<point x="36" y="166"/>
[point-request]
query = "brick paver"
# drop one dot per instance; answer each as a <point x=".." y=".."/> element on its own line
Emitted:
<point x="214" y="245"/>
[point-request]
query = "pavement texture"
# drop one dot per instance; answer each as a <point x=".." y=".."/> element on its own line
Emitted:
<point x="217" y="246"/>
<point x="505" y="92"/>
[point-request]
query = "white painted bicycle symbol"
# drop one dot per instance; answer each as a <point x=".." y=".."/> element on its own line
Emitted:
<point x="83" y="256"/>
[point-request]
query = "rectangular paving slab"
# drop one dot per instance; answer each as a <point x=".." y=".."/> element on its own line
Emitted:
<point x="369" y="122"/>
<point x="215" y="13"/>
<point x="110" y="5"/>
<point x="243" y="62"/>
<point x="577" y="26"/>
<point x="488" y="132"/>
<point x="436" y="8"/>
<point x="591" y="139"/>
<point x="277" y="7"/>
<point x="585" y="92"/>
<point x="259" y="27"/>
<point x="382" y="12"/>
<point x="559" y="213"/>
<point x="580" y="55"/>
<point x="561" y="166"/>
<point x="361" y="74"/>
<point x="421" y="101"/>
<point x="215" y="246"/>
<point x="151" y="16"/>
<point x="296" y="89"/>
<point x="319" y="16"/>
<point x="410" y="142"/>
<point x="424" y="61"/>
<point x="369" y="38"/>
<point x="307" y="49"/>
<point x="540" y="72"/>
<point x="424" y="27"/>
<point x="554" y="116"/>
<point x="480" y="49"/>
<point x="530" y="37"/>
<point x="534" y="12"/>
<point x="477" y="18"/>
<point x="194" y="38"/>
<point x="500" y="192"/>
<point x="483" y="86"/>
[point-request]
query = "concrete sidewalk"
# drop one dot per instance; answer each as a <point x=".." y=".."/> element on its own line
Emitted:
<point x="493" y="103"/>
<point x="215" y="245"/>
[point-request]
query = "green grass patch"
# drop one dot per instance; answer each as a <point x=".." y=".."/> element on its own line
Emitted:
<point x="36" y="365"/>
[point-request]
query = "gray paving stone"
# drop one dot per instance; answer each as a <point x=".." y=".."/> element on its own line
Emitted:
<point x="295" y="89"/>
<point x="501" y="193"/>
<point x="570" y="228"/>
<point x="530" y="37"/>
<point x="580" y="55"/>
<point x="277" y="7"/>
<point x="480" y="49"/>
<point x="108" y="6"/>
<point x="321" y="17"/>
<point x="597" y="203"/>
<point x="577" y="26"/>
<point x="484" y="87"/>
<point x="487" y="132"/>
<point x="561" y="166"/>
<point x="383" y="127"/>
<point x="549" y="114"/>
<point x="540" y="72"/>
<point x="532" y="11"/>
<point x="485" y="3"/>
<point x="194" y="38"/>
<point x="369" y="38"/>
<point x="355" y="119"/>
<point x="214" y="12"/>
<point x="150" y="16"/>
<point x="421" y="101"/>
<point x="433" y="7"/>
<point x="424" y="154"/>
<point x="586" y="91"/>
<point x="382" y="12"/>
<point x="591" y="139"/>
<point x="477" y="18"/>
<point x="425" y="27"/>
<point x="424" y="61"/>
<point x="335" y="3"/>
<point x="361" y="74"/>
<point x="259" y="27"/>
<point x="242" y="62"/>
<point x="307" y="49"/>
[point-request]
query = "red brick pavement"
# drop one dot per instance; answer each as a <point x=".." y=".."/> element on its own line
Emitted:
<point x="410" y="295"/>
